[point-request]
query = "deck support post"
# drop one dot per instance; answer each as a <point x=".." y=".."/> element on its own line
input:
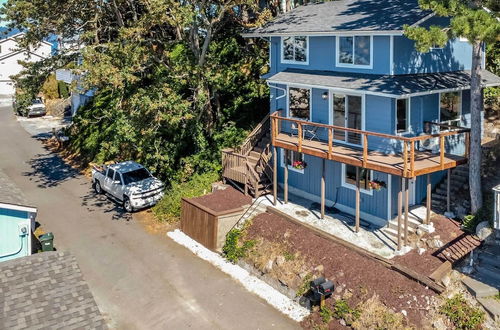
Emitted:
<point x="429" y="200"/>
<point x="407" y="193"/>
<point x="323" y="189"/>
<point x="275" y="176"/>
<point x="400" y="205"/>
<point x="448" y="188"/>
<point x="357" y="199"/>
<point x="285" y="193"/>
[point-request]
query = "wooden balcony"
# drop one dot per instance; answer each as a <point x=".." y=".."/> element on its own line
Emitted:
<point x="409" y="162"/>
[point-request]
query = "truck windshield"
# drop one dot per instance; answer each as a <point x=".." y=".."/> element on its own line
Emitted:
<point x="135" y="176"/>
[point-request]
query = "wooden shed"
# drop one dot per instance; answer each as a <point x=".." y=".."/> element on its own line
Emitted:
<point x="207" y="219"/>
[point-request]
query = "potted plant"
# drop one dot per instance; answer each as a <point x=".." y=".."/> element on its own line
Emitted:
<point x="299" y="165"/>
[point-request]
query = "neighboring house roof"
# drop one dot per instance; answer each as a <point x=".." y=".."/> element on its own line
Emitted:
<point x="20" y="35"/>
<point x="19" y="52"/>
<point x="12" y="195"/>
<point x="383" y="85"/>
<point x="46" y="290"/>
<point x="371" y="16"/>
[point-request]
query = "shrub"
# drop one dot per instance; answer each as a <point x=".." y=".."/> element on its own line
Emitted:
<point x="342" y="310"/>
<point x="234" y="249"/>
<point x="469" y="223"/>
<point x="63" y="89"/>
<point x="169" y="208"/>
<point x="50" y="88"/>
<point x="326" y="314"/>
<point x="461" y="314"/>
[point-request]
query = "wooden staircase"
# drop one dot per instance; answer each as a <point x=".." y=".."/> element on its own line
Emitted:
<point x="248" y="165"/>
<point x="459" y="185"/>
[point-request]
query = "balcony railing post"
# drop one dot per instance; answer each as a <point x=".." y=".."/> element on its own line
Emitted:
<point x="467" y="144"/>
<point x="300" y="136"/>
<point x="365" y="150"/>
<point x="441" y="151"/>
<point x="405" y="159"/>
<point x="412" y="158"/>
<point x="330" y="142"/>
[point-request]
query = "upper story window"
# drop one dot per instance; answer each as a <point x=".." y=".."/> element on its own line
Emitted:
<point x="295" y="50"/>
<point x="354" y="51"/>
<point x="299" y="103"/>
<point x="402" y="116"/>
<point x="450" y="108"/>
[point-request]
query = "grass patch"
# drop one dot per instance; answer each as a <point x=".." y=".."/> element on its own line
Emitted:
<point x="461" y="314"/>
<point x="169" y="208"/>
<point x="326" y="314"/>
<point x="342" y="310"/>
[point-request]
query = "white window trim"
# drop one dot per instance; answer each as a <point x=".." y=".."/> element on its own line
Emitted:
<point x="345" y="65"/>
<point x="331" y="92"/>
<point x="353" y="187"/>
<point x="288" y="102"/>
<point x="282" y="40"/>
<point x="459" y="107"/>
<point x="291" y="168"/>
<point x="408" y="117"/>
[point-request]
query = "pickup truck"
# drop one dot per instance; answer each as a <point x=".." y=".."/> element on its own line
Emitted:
<point x="128" y="182"/>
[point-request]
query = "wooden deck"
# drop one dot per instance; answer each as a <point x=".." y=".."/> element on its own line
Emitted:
<point x="424" y="162"/>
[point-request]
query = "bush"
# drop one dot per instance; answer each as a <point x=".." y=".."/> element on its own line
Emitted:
<point x="50" y="88"/>
<point x="326" y="314"/>
<point x="469" y="223"/>
<point x="461" y="314"/>
<point x="234" y="249"/>
<point x="63" y="89"/>
<point x="169" y="208"/>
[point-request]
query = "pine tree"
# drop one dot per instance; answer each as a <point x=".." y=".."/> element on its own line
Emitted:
<point x="469" y="19"/>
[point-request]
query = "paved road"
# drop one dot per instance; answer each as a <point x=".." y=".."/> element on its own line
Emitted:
<point x="140" y="281"/>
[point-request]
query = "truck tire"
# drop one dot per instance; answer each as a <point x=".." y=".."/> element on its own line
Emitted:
<point x="127" y="205"/>
<point x="97" y="188"/>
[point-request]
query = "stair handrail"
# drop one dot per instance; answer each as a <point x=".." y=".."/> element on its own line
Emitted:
<point x="255" y="135"/>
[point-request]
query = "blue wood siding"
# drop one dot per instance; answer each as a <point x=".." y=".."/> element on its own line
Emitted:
<point x="456" y="55"/>
<point x="380" y="118"/>
<point x="309" y="182"/>
<point x="322" y="55"/>
<point x="12" y="245"/>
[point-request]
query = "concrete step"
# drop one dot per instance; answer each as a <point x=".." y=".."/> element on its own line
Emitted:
<point x="492" y="306"/>
<point x="393" y="233"/>
<point x="412" y="224"/>
<point x="492" y="260"/>
<point x="478" y="288"/>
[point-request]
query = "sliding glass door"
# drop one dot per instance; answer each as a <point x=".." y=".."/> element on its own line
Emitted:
<point x="347" y="112"/>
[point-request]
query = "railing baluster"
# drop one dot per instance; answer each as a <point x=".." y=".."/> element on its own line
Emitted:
<point x="441" y="151"/>
<point x="412" y="158"/>
<point x="467" y="144"/>
<point x="365" y="150"/>
<point x="330" y="142"/>
<point x="300" y="136"/>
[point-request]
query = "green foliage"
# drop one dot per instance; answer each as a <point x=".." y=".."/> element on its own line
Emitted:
<point x="63" y="89"/>
<point x="342" y="310"/>
<point x="469" y="223"/>
<point x="304" y="286"/>
<point x="461" y="314"/>
<point x="50" y="88"/>
<point x="169" y="208"/>
<point x="326" y="314"/>
<point x="236" y="247"/>
<point x="485" y="213"/>
<point x="425" y="39"/>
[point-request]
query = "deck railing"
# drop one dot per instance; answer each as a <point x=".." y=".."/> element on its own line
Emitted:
<point x="254" y="137"/>
<point x="409" y="144"/>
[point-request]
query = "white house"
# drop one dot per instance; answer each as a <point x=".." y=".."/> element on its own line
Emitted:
<point x="11" y="54"/>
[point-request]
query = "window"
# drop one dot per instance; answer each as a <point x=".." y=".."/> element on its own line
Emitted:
<point x="295" y="50"/>
<point x="349" y="177"/>
<point x="354" y="51"/>
<point x="110" y="174"/>
<point x="450" y="108"/>
<point x="293" y="160"/>
<point x="299" y="103"/>
<point x="402" y="115"/>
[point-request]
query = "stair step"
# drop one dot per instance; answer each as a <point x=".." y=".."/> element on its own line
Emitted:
<point x="412" y="224"/>
<point x="254" y="154"/>
<point x="492" y="260"/>
<point x="478" y="288"/>
<point x="438" y="197"/>
<point x="258" y="149"/>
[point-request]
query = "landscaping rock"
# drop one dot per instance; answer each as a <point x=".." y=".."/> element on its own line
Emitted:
<point x="342" y="322"/>
<point x="303" y="275"/>
<point x="320" y="269"/>
<point x="268" y="267"/>
<point x="483" y="230"/>
<point x="439" y="324"/>
<point x="280" y="260"/>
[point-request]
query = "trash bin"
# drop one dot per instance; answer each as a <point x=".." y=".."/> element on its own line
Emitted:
<point x="47" y="242"/>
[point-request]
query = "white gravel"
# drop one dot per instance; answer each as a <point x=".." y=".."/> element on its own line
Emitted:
<point x="251" y="283"/>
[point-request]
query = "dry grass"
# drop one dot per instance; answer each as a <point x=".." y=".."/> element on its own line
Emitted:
<point x="375" y="315"/>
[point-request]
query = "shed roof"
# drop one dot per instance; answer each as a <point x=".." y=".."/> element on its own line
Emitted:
<point x="46" y="290"/>
<point x="345" y="15"/>
<point x="383" y="85"/>
<point x="10" y="193"/>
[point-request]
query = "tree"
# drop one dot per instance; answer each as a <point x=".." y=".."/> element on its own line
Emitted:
<point x="469" y="19"/>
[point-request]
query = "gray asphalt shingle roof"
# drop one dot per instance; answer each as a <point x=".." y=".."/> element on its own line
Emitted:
<point x="395" y="86"/>
<point x="46" y="291"/>
<point x="345" y="15"/>
<point x="9" y="192"/>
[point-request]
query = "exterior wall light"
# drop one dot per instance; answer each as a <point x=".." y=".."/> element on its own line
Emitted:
<point x="325" y="96"/>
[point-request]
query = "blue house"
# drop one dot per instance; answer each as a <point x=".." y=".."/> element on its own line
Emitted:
<point x="17" y="222"/>
<point x="359" y="119"/>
